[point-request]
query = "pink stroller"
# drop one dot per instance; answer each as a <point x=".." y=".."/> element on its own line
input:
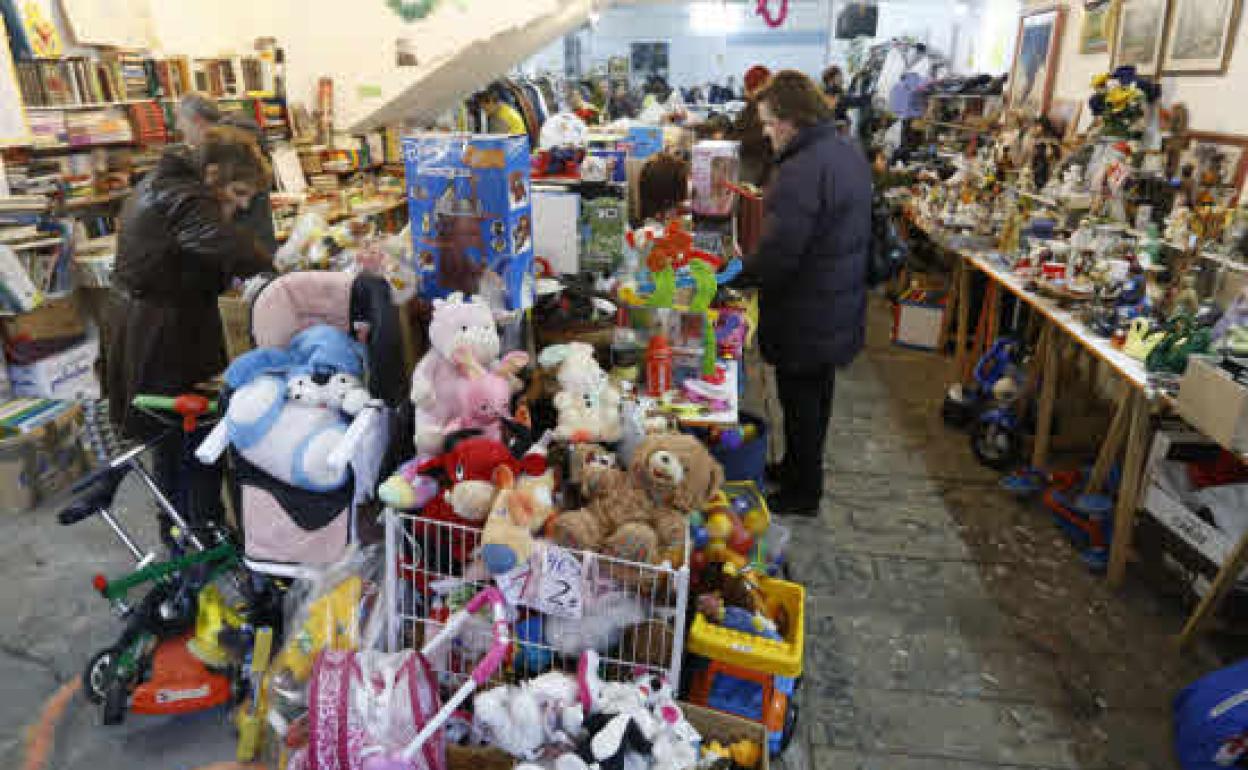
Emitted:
<point x="287" y="529"/>
<point x="382" y="711"/>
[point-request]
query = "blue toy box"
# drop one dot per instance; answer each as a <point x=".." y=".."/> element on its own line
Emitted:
<point x="645" y="141"/>
<point x="471" y="216"/>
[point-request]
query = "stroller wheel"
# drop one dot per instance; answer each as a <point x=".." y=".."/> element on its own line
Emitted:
<point x="995" y="446"/>
<point x="97" y="675"/>
<point x="116" y="702"/>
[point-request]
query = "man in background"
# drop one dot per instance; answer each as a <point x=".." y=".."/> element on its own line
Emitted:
<point x="196" y="114"/>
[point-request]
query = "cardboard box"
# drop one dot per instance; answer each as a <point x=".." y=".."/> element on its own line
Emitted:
<point x="917" y="325"/>
<point x="36" y="466"/>
<point x="68" y="375"/>
<point x="645" y="141"/>
<point x="715" y="166"/>
<point x="56" y="319"/>
<point x="469" y="198"/>
<point x="1211" y="401"/>
<point x="724" y="729"/>
<point x="236" y="324"/>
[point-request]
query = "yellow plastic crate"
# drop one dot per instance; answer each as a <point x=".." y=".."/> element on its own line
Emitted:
<point x="781" y="658"/>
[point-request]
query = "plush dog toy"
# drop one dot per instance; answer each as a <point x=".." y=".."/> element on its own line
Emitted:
<point x="459" y="330"/>
<point x="642" y="515"/>
<point x="289" y="408"/>
<point x="520" y="510"/>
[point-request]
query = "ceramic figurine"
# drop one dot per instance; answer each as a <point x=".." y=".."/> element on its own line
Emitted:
<point x="1187" y="301"/>
<point x="1179" y="223"/>
<point x="1026" y="180"/>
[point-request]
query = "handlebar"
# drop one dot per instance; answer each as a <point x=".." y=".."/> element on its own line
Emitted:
<point x="190" y="406"/>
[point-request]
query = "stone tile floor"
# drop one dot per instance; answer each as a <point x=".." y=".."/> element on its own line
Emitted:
<point x="950" y="628"/>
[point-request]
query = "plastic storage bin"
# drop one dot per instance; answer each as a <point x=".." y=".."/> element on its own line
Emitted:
<point x="781" y="658"/>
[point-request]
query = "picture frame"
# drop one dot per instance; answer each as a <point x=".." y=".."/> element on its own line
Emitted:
<point x="1063" y="115"/>
<point x="1035" y="59"/>
<point x="1210" y="153"/>
<point x="1140" y="35"/>
<point x="1202" y="36"/>
<point x="1097" y="26"/>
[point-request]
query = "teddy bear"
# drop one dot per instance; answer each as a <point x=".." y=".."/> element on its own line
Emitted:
<point x="587" y="403"/>
<point x="460" y="329"/>
<point x="642" y="514"/>
<point x="484" y="397"/>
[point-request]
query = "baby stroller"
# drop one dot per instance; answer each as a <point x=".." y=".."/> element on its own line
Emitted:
<point x="288" y="531"/>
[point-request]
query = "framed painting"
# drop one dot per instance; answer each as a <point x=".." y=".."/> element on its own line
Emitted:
<point x="1035" y="60"/>
<point x="1141" y="31"/>
<point x="1097" y="27"/>
<point x="1202" y="33"/>
<point x="1212" y="167"/>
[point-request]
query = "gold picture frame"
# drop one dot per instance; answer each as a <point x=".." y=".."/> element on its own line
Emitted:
<point x="1140" y="35"/>
<point x="1202" y="36"/>
<point x="1097" y="27"/>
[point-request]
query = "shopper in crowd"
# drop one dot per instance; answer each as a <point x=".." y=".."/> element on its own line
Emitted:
<point x="623" y="104"/>
<point x="196" y="113"/>
<point x="501" y="117"/>
<point x="178" y="248"/>
<point x="756" y="156"/>
<point x="663" y="188"/>
<point x="811" y="267"/>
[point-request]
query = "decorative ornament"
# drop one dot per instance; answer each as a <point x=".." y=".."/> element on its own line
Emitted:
<point x="764" y="9"/>
<point x="412" y="10"/>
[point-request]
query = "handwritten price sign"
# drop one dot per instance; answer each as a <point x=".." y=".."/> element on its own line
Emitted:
<point x="559" y="590"/>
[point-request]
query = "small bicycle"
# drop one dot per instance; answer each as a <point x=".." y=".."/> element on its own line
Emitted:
<point x="185" y="646"/>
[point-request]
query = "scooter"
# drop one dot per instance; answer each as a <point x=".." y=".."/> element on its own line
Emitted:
<point x="184" y="647"/>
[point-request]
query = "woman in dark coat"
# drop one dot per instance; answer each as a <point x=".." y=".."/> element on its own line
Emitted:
<point x="177" y="250"/>
<point x="811" y="266"/>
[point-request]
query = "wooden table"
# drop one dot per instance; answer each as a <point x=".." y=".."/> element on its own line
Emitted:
<point x="1131" y="431"/>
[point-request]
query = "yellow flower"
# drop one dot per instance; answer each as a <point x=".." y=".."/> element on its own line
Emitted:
<point x="1099" y="81"/>
<point x="1118" y="98"/>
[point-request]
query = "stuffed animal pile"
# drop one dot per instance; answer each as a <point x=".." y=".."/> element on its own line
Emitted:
<point x="576" y="723"/>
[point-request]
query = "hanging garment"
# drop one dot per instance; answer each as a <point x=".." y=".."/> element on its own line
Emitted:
<point x="908" y="99"/>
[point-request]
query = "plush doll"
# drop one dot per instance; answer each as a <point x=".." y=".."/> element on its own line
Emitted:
<point x="587" y="402"/>
<point x="289" y="407"/>
<point x="524" y="719"/>
<point x="520" y="509"/>
<point x="600" y="627"/>
<point x="484" y="397"/>
<point x="642" y="515"/>
<point x="459" y="327"/>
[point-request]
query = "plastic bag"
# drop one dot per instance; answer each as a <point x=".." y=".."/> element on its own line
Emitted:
<point x="307" y="230"/>
<point x="328" y="613"/>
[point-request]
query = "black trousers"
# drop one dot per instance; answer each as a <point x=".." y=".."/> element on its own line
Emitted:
<point x="806" y="398"/>
<point x="193" y="488"/>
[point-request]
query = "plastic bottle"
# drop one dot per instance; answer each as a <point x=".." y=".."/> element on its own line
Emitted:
<point x="658" y="366"/>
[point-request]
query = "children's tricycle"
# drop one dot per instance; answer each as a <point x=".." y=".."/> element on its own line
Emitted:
<point x="183" y="645"/>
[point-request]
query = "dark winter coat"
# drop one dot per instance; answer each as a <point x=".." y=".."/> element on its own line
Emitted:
<point x="175" y="255"/>
<point x="812" y="258"/>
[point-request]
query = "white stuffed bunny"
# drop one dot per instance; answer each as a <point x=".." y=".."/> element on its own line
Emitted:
<point x="587" y="402"/>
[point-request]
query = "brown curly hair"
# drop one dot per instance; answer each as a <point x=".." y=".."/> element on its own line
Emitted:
<point x="664" y="185"/>
<point x="792" y="96"/>
<point x="236" y="155"/>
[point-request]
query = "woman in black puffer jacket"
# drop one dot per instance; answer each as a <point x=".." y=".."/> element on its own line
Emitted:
<point x="177" y="250"/>
<point x="811" y="267"/>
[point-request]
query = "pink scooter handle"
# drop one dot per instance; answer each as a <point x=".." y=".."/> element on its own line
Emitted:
<point x="502" y="639"/>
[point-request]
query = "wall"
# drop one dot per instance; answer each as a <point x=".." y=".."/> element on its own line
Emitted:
<point x="1214" y="103"/>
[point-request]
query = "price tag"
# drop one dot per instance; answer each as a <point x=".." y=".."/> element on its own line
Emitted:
<point x="513" y="584"/>
<point x="560" y="584"/>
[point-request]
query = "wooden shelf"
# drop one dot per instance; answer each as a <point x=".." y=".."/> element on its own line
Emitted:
<point x="54" y="148"/>
<point x="85" y="106"/>
<point x="95" y="200"/>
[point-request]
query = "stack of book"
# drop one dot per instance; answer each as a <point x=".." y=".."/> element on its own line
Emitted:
<point x="47" y="129"/>
<point x="26" y="415"/>
<point x="66" y="82"/>
<point x="107" y="126"/>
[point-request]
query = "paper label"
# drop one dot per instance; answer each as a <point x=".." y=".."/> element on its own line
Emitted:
<point x="561" y="584"/>
<point x="513" y="584"/>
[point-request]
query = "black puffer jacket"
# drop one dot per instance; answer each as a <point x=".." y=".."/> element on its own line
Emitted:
<point x="812" y="258"/>
<point x="175" y="255"/>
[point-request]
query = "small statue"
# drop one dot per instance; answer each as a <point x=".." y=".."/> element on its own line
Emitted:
<point x="1187" y="301"/>
<point x="1026" y="180"/>
<point x="1072" y="181"/>
<point x="1179" y="223"/>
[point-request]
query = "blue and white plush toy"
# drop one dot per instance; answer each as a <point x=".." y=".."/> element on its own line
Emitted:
<point x="289" y="408"/>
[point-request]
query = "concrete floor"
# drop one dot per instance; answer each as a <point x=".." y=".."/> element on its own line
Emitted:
<point x="950" y="628"/>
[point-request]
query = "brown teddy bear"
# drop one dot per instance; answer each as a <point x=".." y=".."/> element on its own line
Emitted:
<point x="642" y="514"/>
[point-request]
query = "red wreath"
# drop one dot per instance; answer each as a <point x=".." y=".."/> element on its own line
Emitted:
<point x="764" y="10"/>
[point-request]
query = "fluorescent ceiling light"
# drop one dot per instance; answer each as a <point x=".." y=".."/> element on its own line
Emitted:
<point x="716" y="18"/>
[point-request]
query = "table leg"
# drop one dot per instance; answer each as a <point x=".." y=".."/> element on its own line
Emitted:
<point x="1225" y="579"/>
<point x="964" y="321"/>
<point x="1136" y="457"/>
<point x="951" y="306"/>
<point x="1112" y="446"/>
<point x="1048" y="396"/>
